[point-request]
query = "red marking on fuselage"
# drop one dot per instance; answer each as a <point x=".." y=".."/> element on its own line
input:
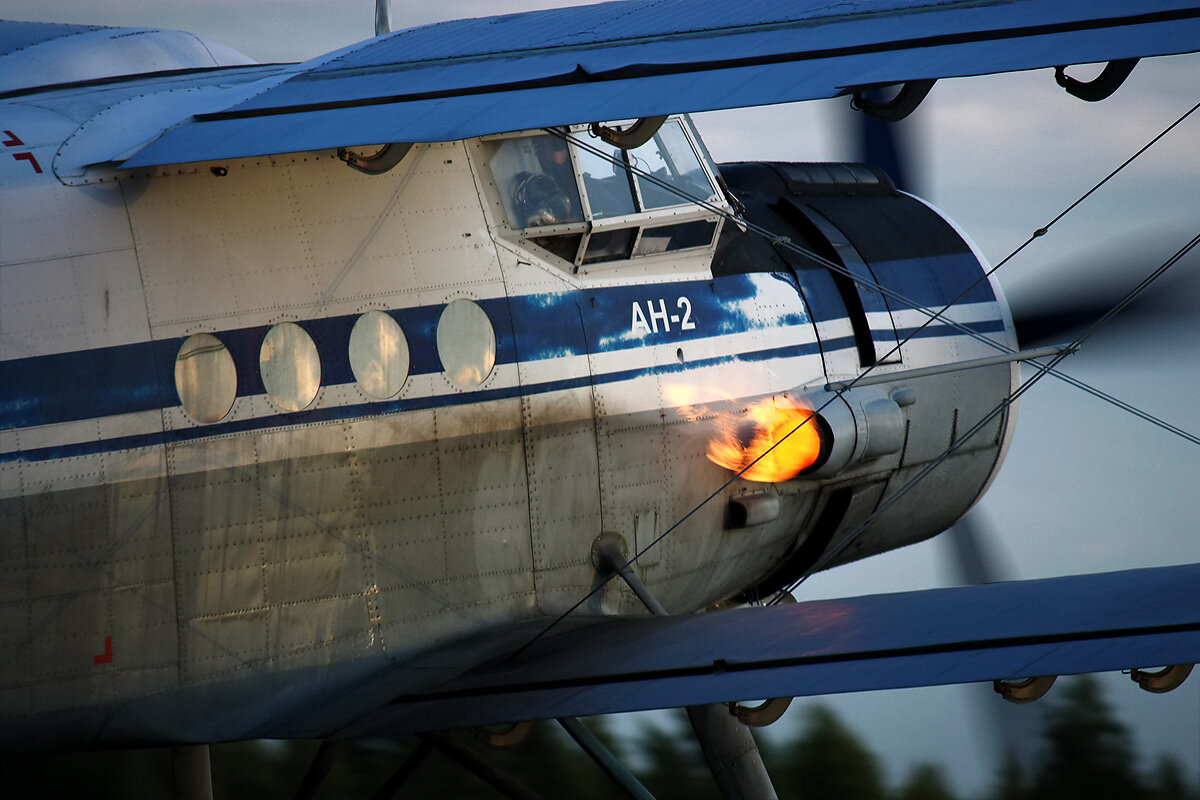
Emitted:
<point x="30" y="158"/>
<point x="13" y="140"/>
<point x="106" y="656"/>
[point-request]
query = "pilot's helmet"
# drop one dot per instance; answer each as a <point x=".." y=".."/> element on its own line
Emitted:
<point x="541" y="200"/>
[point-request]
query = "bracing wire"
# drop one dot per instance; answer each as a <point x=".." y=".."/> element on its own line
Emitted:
<point x="1042" y="371"/>
<point x="932" y="316"/>
<point x="833" y="396"/>
<point x="1045" y="228"/>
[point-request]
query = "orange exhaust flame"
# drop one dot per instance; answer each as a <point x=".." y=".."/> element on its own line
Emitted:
<point x="772" y="427"/>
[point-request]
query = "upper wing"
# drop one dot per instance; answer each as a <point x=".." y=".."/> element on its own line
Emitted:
<point x="37" y="55"/>
<point x="640" y="58"/>
<point x="1087" y="623"/>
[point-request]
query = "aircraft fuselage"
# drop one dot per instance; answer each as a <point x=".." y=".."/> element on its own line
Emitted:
<point x="230" y="489"/>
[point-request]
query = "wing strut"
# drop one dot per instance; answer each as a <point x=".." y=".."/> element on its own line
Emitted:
<point x="318" y="770"/>
<point x="192" y="770"/>
<point x="592" y="745"/>
<point x="727" y="744"/>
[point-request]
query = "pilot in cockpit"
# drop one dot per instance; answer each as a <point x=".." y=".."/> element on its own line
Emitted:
<point x="547" y="196"/>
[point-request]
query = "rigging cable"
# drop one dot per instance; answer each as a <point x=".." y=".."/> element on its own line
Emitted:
<point x="1043" y="369"/>
<point x="1042" y="230"/>
<point x="931" y="315"/>
<point x="846" y="386"/>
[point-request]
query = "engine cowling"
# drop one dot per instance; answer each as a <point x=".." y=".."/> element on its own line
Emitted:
<point x="881" y="437"/>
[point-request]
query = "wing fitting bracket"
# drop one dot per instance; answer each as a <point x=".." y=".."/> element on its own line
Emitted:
<point x="631" y="136"/>
<point x="904" y="103"/>
<point x="378" y="162"/>
<point x="1025" y="691"/>
<point x="1100" y="87"/>
<point x="1164" y="680"/>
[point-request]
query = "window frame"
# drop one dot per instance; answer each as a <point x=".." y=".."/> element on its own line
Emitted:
<point x="642" y="220"/>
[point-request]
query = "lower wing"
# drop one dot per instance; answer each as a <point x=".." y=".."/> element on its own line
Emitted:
<point x="1086" y="623"/>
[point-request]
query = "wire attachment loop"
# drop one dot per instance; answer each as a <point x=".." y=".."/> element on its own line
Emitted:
<point x="1102" y="86"/>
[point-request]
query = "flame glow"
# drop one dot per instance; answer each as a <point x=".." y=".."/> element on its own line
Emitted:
<point x="772" y="431"/>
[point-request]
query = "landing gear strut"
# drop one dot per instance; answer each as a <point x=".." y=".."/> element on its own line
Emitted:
<point x="727" y="744"/>
<point x="193" y="772"/>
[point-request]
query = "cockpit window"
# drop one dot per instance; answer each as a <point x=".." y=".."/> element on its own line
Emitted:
<point x="586" y="202"/>
<point x="606" y="184"/>
<point x="536" y="181"/>
<point x="670" y="159"/>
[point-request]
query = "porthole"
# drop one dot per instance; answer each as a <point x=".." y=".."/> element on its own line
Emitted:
<point x="466" y="343"/>
<point x="290" y="367"/>
<point x="379" y="355"/>
<point x="205" y="378"/>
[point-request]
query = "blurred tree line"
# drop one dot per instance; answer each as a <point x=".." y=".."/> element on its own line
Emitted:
<point x="1085" y="753"/>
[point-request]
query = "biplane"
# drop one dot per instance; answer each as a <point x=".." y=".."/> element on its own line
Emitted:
<point x="446" y="381"/>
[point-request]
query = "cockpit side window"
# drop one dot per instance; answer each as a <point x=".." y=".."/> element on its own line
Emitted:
<point x="606" y="183"/>
<point x="587" y="203"/>
<point x="669" y="157"/>
<point x="536" y="181"/>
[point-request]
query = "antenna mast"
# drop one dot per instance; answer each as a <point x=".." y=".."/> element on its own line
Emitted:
<point x="383" y="17"/>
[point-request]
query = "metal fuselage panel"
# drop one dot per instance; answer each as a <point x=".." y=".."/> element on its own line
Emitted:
<point x="151" y="559"/>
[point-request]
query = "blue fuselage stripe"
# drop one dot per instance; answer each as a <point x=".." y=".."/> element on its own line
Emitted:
<point x="107" y="381"/>
<point x="139" y="377"/>
<point x="362" y="410"/>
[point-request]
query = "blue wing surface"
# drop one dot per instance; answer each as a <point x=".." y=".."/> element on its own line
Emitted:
<point x="638" y="58"/>
<point x="37" y="55"/>
<point x="1088" y="623"/>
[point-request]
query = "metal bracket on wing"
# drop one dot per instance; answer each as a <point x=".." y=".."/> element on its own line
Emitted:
<point x="1025" y="691"/>
<point x="904" y="103"/>
<point x="1100" y="87"/>
<point x="768" y="712"/>
<point x="378" y="162"/>
<point x="765" y="713"/>
<point x="500" y="736"/>
<point x="1163" y="680"/>
<point x="631" y="136"/>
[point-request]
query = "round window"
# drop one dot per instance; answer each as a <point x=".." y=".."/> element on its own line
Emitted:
<point x="466" y="343"/>
<point x="290" y="366"/>
<point x="378" y="355"/>
<point x="205" y="378"/>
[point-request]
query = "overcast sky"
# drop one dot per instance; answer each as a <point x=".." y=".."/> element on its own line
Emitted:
<point x="1085" y="487"/>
